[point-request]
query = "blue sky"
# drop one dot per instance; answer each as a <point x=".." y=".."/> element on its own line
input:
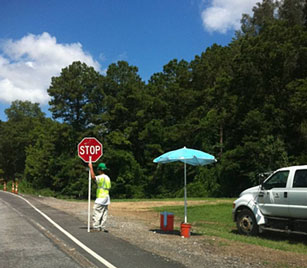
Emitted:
<point x="39" y="38"/>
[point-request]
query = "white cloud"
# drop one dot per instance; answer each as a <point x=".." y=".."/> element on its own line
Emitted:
<point x="223" y="15"/>
<point x="27" y="65"/>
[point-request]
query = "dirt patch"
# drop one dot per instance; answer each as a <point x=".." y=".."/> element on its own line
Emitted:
<point x="138" y="224"/>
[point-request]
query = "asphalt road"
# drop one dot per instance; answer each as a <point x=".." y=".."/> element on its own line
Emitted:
<point x="34" y="235"/>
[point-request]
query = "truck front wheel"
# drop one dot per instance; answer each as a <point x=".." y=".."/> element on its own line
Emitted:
<point x="246" y="223"/>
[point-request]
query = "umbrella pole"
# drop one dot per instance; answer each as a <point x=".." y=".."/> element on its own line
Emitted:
<point x="185" y="194"/>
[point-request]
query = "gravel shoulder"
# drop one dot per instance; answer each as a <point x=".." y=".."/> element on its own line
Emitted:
<point x="137" y="224"/>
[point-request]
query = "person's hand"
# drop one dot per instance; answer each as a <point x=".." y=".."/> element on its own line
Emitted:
<point x="90" y="165"/>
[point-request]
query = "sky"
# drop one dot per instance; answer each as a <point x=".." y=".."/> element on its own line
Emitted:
<point x="38" y="38"/>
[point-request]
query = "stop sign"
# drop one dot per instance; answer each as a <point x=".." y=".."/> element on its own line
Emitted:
<point x="89" y="147"/>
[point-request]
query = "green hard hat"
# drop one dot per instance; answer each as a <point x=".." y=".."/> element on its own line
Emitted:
<point x="102" y="166"/>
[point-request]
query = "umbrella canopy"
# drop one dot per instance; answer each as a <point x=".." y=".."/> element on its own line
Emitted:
<point x="187" y="156"/>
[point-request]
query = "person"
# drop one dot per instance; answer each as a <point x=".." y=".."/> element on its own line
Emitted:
<point x="100" y="209"/>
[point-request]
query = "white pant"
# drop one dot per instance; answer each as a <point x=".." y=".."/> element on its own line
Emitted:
<point x="100" y="215"/>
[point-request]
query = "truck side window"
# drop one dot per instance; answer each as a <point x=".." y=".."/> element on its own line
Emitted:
<point x="300" y="179"/>
<point x="278" y="180"/>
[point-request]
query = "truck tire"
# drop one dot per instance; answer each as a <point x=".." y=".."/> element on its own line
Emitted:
<point x="246" y="223"/>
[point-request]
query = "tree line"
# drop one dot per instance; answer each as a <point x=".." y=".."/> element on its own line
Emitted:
<point x="244" y="103"/>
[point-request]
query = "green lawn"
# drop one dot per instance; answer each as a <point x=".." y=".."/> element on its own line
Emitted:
<point x="216" y="220"/>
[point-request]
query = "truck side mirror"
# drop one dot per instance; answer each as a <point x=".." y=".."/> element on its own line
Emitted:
<point x="261" y="179"/>
<point x="263" y="176"/>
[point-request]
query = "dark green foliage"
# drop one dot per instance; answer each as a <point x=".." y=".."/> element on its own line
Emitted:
<point x="76" y="96"/>
<point x="15" y="136"/>
<point x="245" y="103"/>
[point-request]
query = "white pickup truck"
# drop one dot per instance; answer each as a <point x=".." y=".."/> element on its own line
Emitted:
<point x="277" y="204"/>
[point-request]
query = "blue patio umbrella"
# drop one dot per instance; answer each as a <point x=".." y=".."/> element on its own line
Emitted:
<point x="187" y="156"/>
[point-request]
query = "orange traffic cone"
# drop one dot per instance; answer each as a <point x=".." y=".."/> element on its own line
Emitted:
<point x="16" y="187"/>
<point x="13" y="188"/>
<point x="4" y="186"/>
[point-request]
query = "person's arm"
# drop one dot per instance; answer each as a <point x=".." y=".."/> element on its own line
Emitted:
<point x="90" y="165"/>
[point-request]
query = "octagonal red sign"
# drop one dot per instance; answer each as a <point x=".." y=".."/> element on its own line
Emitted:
<point x="88" y="148"/>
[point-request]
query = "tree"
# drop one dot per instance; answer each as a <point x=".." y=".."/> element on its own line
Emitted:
<point x="217" y="101"/>
<point x="20" y="110"/>
<point x="15" y="136"/>
<point x="76" y="96"/>
<point x="173" y="99"/>
<point x="120" y="125"/>
<point x="124" y="92"/>
<point x="293" y="11"/>
<point x="298" y="125"/>
<point x="48" y="155"/>
<point x="264" y="14"/>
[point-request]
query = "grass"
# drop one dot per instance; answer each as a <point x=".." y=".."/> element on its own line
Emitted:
<point x="216" y="220"/>
<point x="169" y="199"/>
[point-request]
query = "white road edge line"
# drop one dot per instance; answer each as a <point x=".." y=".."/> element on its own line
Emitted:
<point x="79" y="243"/>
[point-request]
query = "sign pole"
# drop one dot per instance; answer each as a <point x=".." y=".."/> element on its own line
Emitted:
<point x="89" y="199"/>
<point x="89" y="150"/>
<point x="185" y="193"/>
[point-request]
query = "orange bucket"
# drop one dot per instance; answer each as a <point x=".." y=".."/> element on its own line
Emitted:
<point x="185" y="230"/>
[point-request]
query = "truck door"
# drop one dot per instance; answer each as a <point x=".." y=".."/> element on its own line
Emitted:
<point x="272" y="199"/>
<point x="297" y="195"/>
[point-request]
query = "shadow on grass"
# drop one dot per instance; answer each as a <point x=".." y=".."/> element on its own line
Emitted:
<point x="174" y="232"/>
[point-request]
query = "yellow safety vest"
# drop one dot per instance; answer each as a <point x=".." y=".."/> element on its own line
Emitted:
<point x="103" y="186"/>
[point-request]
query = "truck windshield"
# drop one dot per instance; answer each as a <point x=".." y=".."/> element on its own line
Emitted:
<point x="278" y="180"/>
